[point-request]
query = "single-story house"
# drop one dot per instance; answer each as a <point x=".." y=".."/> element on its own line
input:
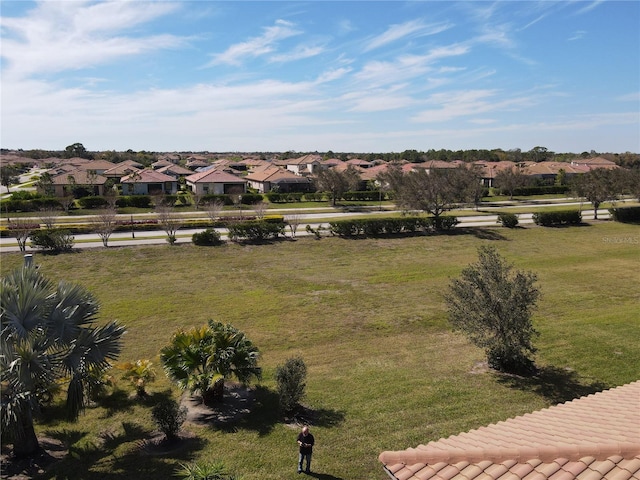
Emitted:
<point x="121" y="170"/>
<point x="592" y="437"/>
<point x="65" y="183"/>
<point x="305" y="165"/>
<point x="148" y="182"/>
<point x="215" y="182"/>
<point x="274" y="178"/>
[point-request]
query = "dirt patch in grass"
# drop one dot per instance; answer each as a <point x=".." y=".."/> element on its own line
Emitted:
<point x="237" y="402"/>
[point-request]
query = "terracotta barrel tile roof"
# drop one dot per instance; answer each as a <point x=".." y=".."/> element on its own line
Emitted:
<point x="597" y="436"/>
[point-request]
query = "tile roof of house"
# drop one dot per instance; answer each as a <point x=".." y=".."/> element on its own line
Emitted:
<point x="214" y="175"/>
<point x="552" y="168"/>
<point x="593" y="437"/>
<point x="594" y="162"/>
<point x="271" y="173"/>
<point x="147" y="176"/>
<point x="80" y="177"/>
<point x="372" y="172"/>
<point x="304" y="160"/>
<point x="121" y="169"/>
<point x="175" y="169"/>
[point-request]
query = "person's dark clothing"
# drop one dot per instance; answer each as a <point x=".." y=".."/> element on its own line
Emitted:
<point x="307" y="443"/>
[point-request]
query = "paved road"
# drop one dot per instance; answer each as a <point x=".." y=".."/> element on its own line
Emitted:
<point x="158" y="237"/>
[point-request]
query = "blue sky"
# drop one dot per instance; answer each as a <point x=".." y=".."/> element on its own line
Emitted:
<point x="362" y="76"/>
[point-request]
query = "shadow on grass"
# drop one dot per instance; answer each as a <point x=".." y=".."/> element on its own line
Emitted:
<point x="557" y="385"/>
<point x="479" y="232"/>
<point x="122" y="401"/>
<point x="322" y="476"/>
<point x="146" y="462"/>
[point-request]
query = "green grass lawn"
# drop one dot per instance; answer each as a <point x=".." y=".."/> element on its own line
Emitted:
<point x="384" y="370"/>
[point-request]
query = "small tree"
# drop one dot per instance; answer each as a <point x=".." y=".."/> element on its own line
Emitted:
<point x="509" y="179"/>
<point x="105" y="223"/>
<point x="169" y="416"/>
<point x="201" y="359"/>
<point x="336" y="182"/>
<point x="169" y="221"/>
<point x="9" y="174"/>
<point x="260" y="208"/>
<point x="598" y="186"/>
<point x="213" y="209"/>
<point x="493" y="305"/>
<point x="48" y="216"/>
<point x="291" y="383"/>
<point x="21" y="228"/>
<point x="293" y="221"/>
<point x="140" y="373"/>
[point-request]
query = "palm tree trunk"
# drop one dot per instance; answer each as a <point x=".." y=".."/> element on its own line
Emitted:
<point x="25" y="442"/>
<point x="214" y="394"/>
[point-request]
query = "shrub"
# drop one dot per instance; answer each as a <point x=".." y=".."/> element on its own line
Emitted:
<point x="444" y="222"/>
<point x="135" y="201"/>
<point x="210" y="198"/>
<point x="204" y="471"/>
<point x="290" y="378"/>
<point x="625" y="214"/>
<point x="251" y="198"/>
<point x="53" y="240"/>
<point x="560" y="217"/>
<point x="169" y="417"/>
<point x="206" y="238"/>
<point x="93" y="202"/>
<point x="509" y="220"/>
<point x="314" y="196"/>
<point x="255" y="230"/>
<point x="24" y="195"/>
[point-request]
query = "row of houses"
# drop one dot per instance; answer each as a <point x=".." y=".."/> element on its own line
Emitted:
<point x="225" y="176"/>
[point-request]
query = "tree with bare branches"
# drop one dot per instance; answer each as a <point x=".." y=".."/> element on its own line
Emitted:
<point x="213" y="209"/>
<point x="21" y="228"/>
<point x="105" y="223"/>
<point x="169" y="220"/>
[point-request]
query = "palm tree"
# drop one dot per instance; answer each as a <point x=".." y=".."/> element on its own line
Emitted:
<point x="48" y="337"/>
<point x="202" y="358"/>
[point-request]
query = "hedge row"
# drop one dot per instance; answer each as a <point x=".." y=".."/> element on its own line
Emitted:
<point x="255" y="230"/>
<point x="625" y="214"/>
<point x="389" y="226"/>
<point x="560" y="217"/>
<point x="33" y="205"/>
<point x="536" y="190"/>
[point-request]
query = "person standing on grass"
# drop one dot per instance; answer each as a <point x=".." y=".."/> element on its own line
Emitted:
<point x="305" y="441"/>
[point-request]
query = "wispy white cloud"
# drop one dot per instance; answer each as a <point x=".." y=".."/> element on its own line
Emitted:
<point x="589" y="6"/>
<point x="407" y="29"/>
<point x="629" y="97"/>
<point x="577" y="35"/>
<point x="59" y="36"/>
<point x="450" y="105"/>
<point x="298" y="53"/>
<point x="406" y="66"/>
<point x="257" y="46"/>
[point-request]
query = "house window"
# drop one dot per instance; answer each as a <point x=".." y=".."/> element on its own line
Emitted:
<point x="205" y="189"/>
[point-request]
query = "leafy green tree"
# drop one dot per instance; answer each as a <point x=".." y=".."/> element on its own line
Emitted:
<point x="77" y="150"/>
<point x="336" y="182"/>
<point x="598" y="186"/>
<point x="290" y="378"/>
<point x="8" y="175"/>
<point x="492" y="306"/>
<point x="200" y="359"/>
<point x="434" y="192"/>
<point x="509" y="179"/>
<point x="49" y="335"/>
